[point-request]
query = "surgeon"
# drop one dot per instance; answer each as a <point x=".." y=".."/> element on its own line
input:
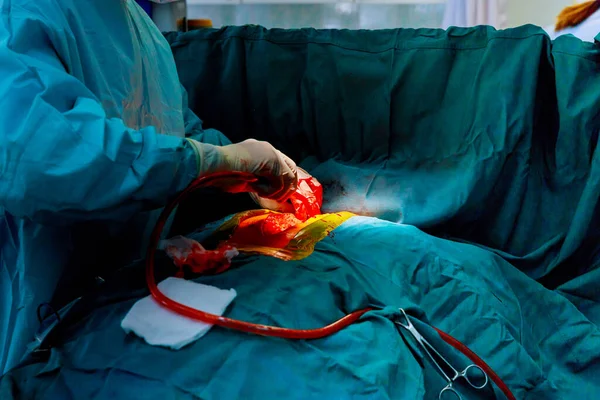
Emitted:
<point x="95" y="137"/>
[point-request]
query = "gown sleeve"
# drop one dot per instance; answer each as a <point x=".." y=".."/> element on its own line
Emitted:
<point x="61" y="159"/>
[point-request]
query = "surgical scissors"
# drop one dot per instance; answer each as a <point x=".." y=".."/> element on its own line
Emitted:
<point x="467" y="373"/>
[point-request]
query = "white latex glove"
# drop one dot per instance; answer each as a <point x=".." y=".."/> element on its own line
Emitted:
<point x="277" y="173"/>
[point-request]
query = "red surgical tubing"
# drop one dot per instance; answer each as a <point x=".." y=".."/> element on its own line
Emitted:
<point x="241" y="183"/>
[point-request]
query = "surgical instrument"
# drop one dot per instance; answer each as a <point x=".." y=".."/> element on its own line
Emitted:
<point x="469" y="374"/>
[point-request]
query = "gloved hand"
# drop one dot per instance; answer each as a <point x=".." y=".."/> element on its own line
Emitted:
<point x="288" y="206"/>
<point x="277" y="173"/>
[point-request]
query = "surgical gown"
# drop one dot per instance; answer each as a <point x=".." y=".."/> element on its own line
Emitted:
<point x="93" y="123"/>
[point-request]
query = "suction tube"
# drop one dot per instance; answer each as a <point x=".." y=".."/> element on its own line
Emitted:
<point x="236" y="182"/>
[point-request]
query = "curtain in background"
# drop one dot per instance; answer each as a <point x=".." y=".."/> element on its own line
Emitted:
<point x="475" y="12"/>
<point x="342" y="15"/>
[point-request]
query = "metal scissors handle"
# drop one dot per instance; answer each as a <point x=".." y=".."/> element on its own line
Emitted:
<point x="469" y="374"/>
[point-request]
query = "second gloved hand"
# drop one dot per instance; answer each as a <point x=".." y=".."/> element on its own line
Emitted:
<point x="277" y="174"/>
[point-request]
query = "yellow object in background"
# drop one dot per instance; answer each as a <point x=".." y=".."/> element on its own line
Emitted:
<point x="576" y="14"/>
<point x="186" y="25"/>
<point x="194" y="24"/>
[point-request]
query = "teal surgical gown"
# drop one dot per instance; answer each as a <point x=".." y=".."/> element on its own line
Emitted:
<point x="93" y="123"/>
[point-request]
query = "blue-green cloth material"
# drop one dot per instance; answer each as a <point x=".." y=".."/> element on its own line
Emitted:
<point x="93" y="123"/>
<point x="518" y="327"/>
<point x="471" y="154"/>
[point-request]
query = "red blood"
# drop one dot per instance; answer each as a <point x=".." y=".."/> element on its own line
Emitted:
<point x="278" y="223"/>
<point x="308" y="198"/>
<point x="201" y="261"/>
<point x="275" y="231"/>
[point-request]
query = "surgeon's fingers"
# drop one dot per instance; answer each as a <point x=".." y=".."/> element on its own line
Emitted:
<point x="288" y="178"/>
<point x="281" y="181"/>
<point x="290" y="173"/>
